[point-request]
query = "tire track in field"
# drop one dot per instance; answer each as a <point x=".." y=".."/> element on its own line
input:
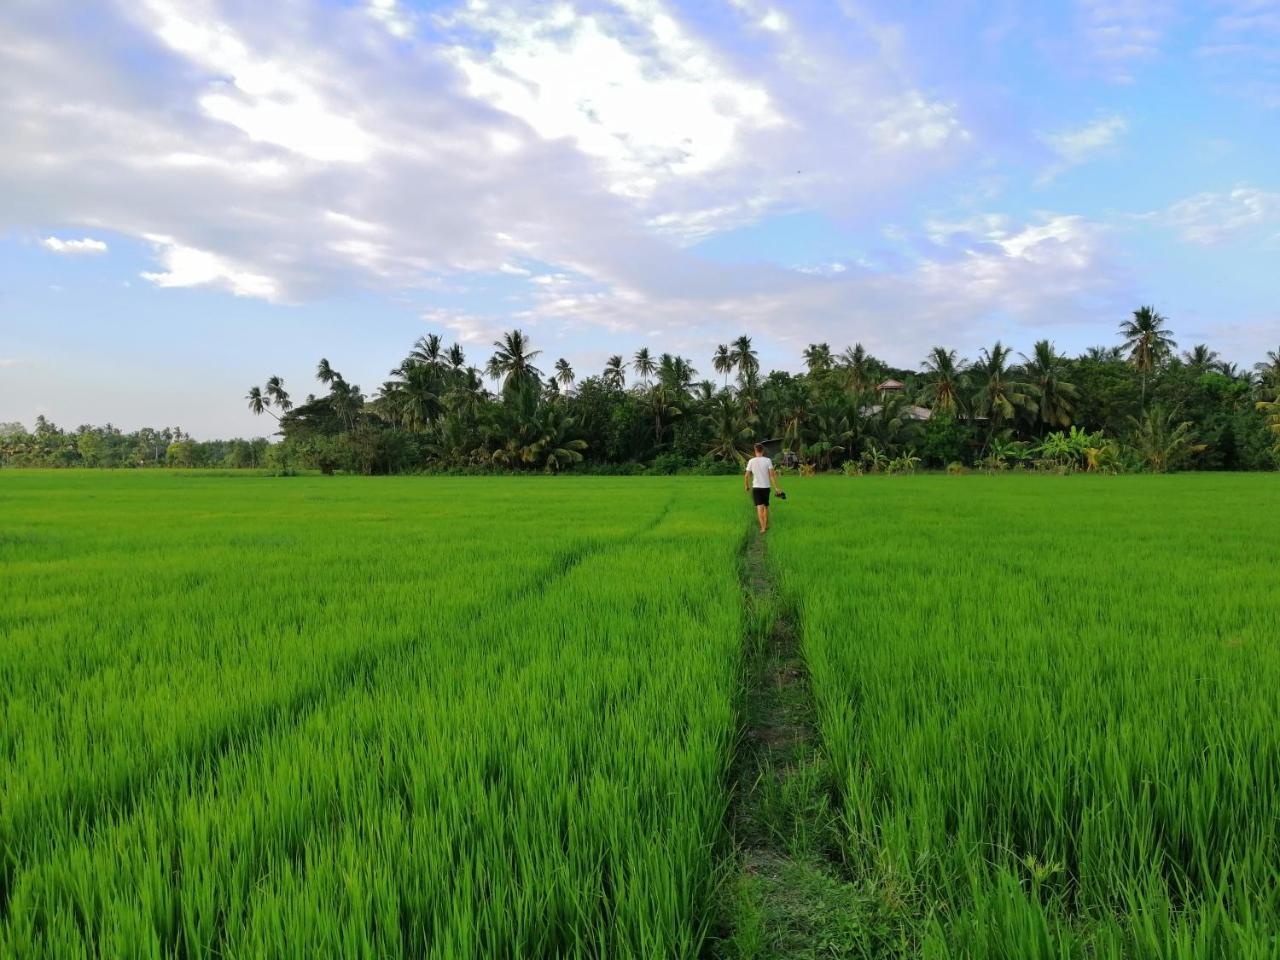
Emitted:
<point x="245" y="730"/>
<point x="572" y="558"/>
<point x="565" y="565"/>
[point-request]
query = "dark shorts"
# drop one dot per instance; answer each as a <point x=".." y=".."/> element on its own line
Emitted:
<point x="760" y="495"/>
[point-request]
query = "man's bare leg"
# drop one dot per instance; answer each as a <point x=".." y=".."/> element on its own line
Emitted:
<point x="762" y="513"/>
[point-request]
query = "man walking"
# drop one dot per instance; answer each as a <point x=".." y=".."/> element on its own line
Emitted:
<point x="760" y="476"/>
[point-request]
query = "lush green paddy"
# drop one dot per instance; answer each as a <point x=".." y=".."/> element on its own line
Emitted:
<point x="1050" y="707"/>
<point x="495" y="717"/>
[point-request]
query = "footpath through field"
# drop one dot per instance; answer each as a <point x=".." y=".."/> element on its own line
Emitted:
<point x="784" y="894"/>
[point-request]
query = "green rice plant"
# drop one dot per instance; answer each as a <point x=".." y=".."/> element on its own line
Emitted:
<point x="259" y="717"/>
<point x="1050" y="703"/>
<point x="531" y="761"/>
<point x="153" y="622"/>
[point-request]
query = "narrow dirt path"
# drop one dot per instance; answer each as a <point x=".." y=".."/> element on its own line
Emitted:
<point x="783" y="896"/>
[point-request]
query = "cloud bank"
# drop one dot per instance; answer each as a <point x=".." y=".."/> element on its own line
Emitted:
<point x="578" y="151"/>
<point x="85" y="245"/>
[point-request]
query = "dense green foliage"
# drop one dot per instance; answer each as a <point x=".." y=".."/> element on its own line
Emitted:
<point x="1138" y="406"/>
<point x="265" y="717"/>
<point x="1049" y="708"/>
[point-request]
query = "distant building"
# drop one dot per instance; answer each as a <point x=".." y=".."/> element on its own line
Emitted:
<point x="915" y="413"/>
<point x="896" y="386"/>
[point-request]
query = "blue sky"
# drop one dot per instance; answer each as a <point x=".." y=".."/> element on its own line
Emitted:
<point x="195" y="195"/>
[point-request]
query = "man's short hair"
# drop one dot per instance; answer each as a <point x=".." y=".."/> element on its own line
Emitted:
<point x="759" y="448"/>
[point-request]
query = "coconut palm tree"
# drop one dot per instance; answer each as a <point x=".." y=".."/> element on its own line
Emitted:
<point x="1148" y="341"/>
<point x="791" y="402"/>
<point x="564" y="373"/>
<point x="427" y="350"/>
<point x="456" y="358"/>
<point x="944" y="381"/>
<point x="684" y="372"/>
<point x="258" y="403"/>
<point x="828" y="432"/>
<point x="1163" y="440"/>
<point x="615" y="372"/>
<point x="1200" y="357"/>
<point x="889" y="422"/>
<point x="730" y="428"/>
<point x="1268" y="370"/>
<point x="411" y="398"/>
<point x="465" y="396"/>
<point x="512" y="362"/>
<point x="1272" y="410"/>
<point x="859" y="368"/>
<point x="749" y="389"/>
<point x="722" y="361"/>
<point x="1054" y="398"/>
<point x="744" y="357"/>
<point x="1104" y="354"/>
<point x="998" y="396"/>
<point x="817" y="358"/>
<point x="676" y="373"/>
<point x="554" y="445"/>
<point x="663" y="407"/>
<point x="279" y="396"/>
<point x="747" y="364"/>
<point x="346" y="400"/>
<point x="642" y="363"/>
<point x="325" y="373"/>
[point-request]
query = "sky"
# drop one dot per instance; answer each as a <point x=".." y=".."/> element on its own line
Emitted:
<point x="198" y="194"/>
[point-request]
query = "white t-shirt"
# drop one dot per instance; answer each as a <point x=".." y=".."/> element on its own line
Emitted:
<point x="759" y="468"/>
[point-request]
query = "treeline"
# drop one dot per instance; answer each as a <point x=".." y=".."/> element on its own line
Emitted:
<point x="1137" y="405"/>
<point x="47" y="445"/>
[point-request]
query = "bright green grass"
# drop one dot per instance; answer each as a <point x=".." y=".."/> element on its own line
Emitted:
<point x="265" y="717"/>
<point x="1051" y="706"/>
<point x="320" y="717"/>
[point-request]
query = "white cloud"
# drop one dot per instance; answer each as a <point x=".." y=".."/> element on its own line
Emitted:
<point x="468" y="329"/>
<point x="270" y="99"/>
<point x="1074" y="146"/>
<point x="295" y="144"/>
<point x="635" y="91"/>
<point x="834" y="268"/>
<point x="774" y="20"/>
<point x="351" y="223"/>
<point x="398" y="21"/>
<point x="986" y="227"/>
<point x="985" y="284"/>
<point x="915" y="122"/>
<point x="1124" y="34"/>
<point x="591" y="181"/>
<point x="86" y="245"/>
<point x="191" y="267"/>
<point x="1210" y="218"/>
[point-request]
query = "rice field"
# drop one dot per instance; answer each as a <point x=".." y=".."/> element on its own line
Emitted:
<point x="251" y="717"/>
<point x="1050" y="708"/>
<point x="485" y="717"/>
